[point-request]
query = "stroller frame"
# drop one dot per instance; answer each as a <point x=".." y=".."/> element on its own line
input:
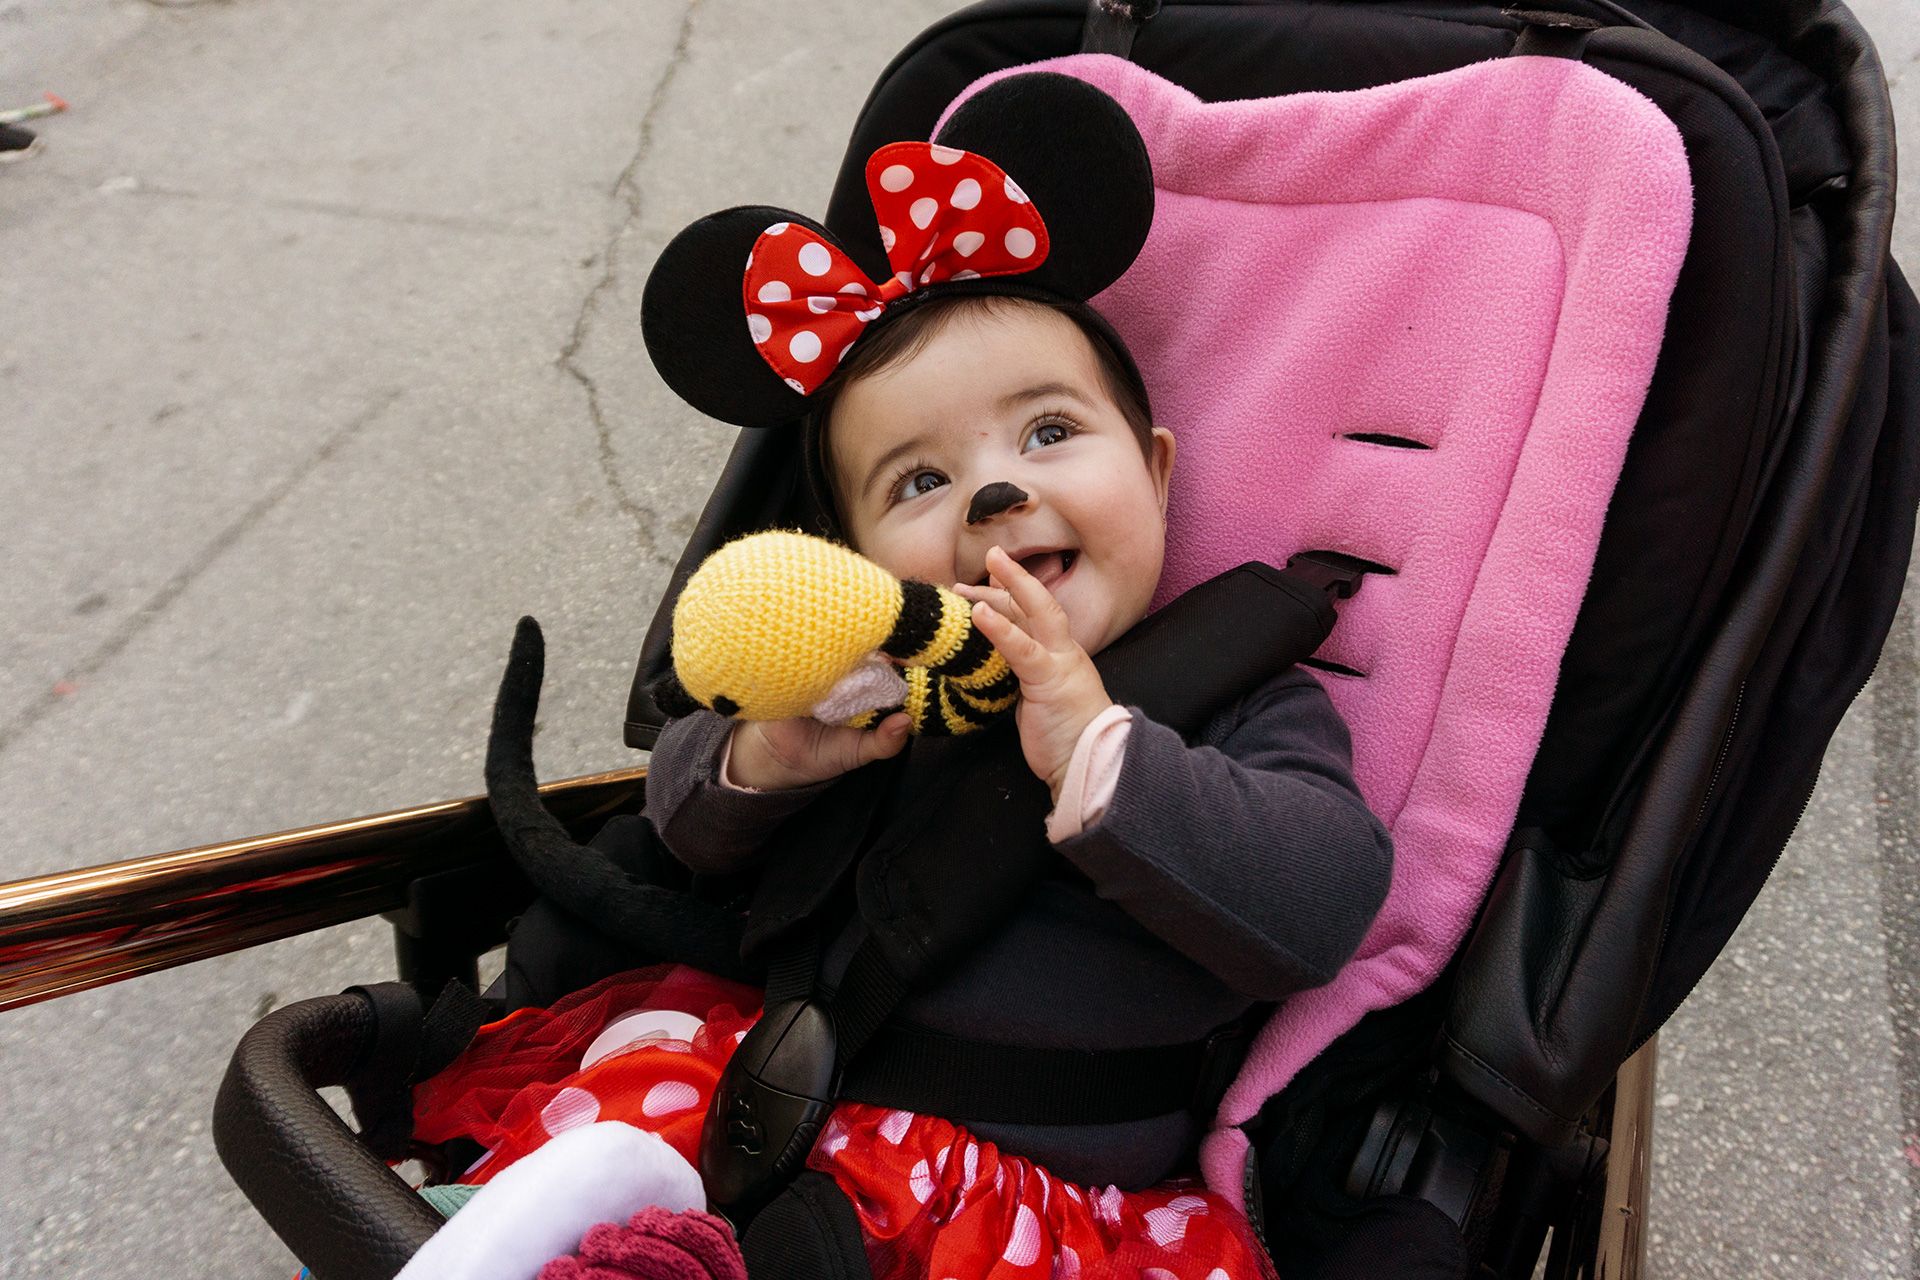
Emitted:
<point x="440" y="875"/>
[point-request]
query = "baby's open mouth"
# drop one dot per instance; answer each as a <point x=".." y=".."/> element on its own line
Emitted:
<point x="1048" y="567"/>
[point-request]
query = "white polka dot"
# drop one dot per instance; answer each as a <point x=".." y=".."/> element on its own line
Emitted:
<point x="940" y="1161"/>
<point x="964" y="274"/>
<point x="843" y="353"/>
<point x="894" y="1127"/>
<point x="896" y="177"/>
<point x="814" y="258"/>
<point x="854" y="287"/>
<point x="968" y="243"/>
<point x="569" y="1109"/>
<point x="904" y="277"/>
<point x="870" y="314"/>
<point x="740" y="1035"/>
<point x="886" y="237"/>
<point x="1014" y="193"/>
<point x="1218" y="1273"/>
<point x="1066" y="1263"/>
<point x="796" y="384"/>
<point x="1023" y="1244"/>
<point x="778" y="228"/>
<point x="668" y="1097"/>
<point x="1158" y="1273"/>
<point x="945" y="155"/>
<point x="759" y="326"/>
<point x="1020" y="242"/>
<point x="966" y="194"/>
<point x="804" y="346"/>
<point x="1073" y="1193"/>
<point x="927" y="274"/>
<point x="833" y="1141"/>
<point x="775" y="291"/>
<point x="1168" y="1224"/>
<point x="749" y="260"/>
<point x="1108" y="1206"/>
<point x="922" y="211"/>
<point x="969" y="1167"/>
<point x="820" y="304"/>
<point x="920" y="1182"/>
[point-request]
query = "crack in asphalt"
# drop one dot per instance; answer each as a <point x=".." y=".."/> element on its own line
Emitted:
<point x="135" y="185"/>
<point x="645" y="520"/>
<point x="157" y="605"/>
<point x="1906" y="65"/>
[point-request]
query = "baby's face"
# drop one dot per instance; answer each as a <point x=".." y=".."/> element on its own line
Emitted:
<point x="1015" y="396"/>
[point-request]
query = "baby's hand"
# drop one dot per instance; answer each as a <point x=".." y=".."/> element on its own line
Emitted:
<point x="1060" y="691"/>
<point x="775" y="755"/>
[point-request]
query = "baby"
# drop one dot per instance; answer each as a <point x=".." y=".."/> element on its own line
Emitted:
<point x="1003" y="445"/>
<point x="971" y="421"/>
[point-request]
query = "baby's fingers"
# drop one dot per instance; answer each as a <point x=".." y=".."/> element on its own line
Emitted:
<point x="996" y="596"/>
<point x="1027" y="656"/>
<point x="1040" y="613"/>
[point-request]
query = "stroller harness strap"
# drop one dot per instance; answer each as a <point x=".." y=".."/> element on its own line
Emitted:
<point x="1414" y="322"/>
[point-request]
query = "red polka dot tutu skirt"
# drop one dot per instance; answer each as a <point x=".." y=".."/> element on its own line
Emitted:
<point x="934" y="1202"/>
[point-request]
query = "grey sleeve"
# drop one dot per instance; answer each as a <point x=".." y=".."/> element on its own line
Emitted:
<point x="1257" y="858"/>
<point x="710" y="827"/>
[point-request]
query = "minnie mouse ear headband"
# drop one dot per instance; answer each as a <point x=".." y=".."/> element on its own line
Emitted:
<point x="1038" y="186"/>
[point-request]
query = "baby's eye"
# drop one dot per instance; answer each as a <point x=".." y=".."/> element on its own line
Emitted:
<point x="916" y="482"/>
<point x="1047" y="433"/>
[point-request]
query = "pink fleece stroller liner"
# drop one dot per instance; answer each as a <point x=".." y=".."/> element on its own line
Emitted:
<point x="1479" y="262"/>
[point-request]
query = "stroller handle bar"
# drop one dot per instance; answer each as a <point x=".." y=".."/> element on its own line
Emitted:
<point x="80" y="929"/>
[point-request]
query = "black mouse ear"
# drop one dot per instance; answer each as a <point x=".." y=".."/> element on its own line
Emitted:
<point x="694" y="320"/>
<point x="671" y="696"/>
<point x="1079" y="158"/>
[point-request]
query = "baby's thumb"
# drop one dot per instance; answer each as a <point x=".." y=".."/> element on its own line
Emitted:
<point x="884" y="741"/>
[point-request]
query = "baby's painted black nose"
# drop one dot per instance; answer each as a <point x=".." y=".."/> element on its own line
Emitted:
<point x="992" y="499"/>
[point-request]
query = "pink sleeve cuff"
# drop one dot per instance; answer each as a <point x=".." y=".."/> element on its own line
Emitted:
<point x="726" y="755"/>
<point x="1092" y="774"/>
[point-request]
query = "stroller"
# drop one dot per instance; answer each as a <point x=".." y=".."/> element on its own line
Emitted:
<point x="1759" y="524"/>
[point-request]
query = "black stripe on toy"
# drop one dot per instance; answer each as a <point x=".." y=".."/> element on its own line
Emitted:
<point x="993" y="691"/>
<point x="918" y="623"/>
<point x="955" y="704"/>
<point x="968" y="658"/>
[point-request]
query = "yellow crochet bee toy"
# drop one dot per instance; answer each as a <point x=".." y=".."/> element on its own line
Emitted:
<point x="782" y="624"/>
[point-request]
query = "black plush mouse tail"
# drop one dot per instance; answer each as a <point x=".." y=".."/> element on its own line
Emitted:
<point x="655" y="922"/>
<point x="513" y="791"/>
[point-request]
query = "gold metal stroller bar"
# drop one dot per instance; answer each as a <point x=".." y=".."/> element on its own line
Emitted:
<point x="75" y="930"/>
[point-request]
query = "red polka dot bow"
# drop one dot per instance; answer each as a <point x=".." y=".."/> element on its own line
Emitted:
<point x="945" y="214"/>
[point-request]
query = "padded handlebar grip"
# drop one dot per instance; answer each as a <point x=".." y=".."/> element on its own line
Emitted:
<point x="335" y="1204"/>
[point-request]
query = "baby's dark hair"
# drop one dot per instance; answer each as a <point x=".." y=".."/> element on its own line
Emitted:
<point x="902" y="337"/>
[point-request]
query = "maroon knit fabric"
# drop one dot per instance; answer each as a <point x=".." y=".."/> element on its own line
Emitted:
<point x="654" y="1245"/>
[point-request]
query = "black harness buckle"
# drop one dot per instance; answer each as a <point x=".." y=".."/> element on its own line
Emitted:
<point x="772" y="1101"/>
<point x="1220" y="1061"/>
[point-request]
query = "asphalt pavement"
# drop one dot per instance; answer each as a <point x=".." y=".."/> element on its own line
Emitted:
<point x="321" y="366"/>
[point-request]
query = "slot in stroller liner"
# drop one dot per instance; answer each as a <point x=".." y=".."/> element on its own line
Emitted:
<point x="1478" y="262"/>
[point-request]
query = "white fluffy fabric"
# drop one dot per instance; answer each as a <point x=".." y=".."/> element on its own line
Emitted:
<point x="541" y="1206"/>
